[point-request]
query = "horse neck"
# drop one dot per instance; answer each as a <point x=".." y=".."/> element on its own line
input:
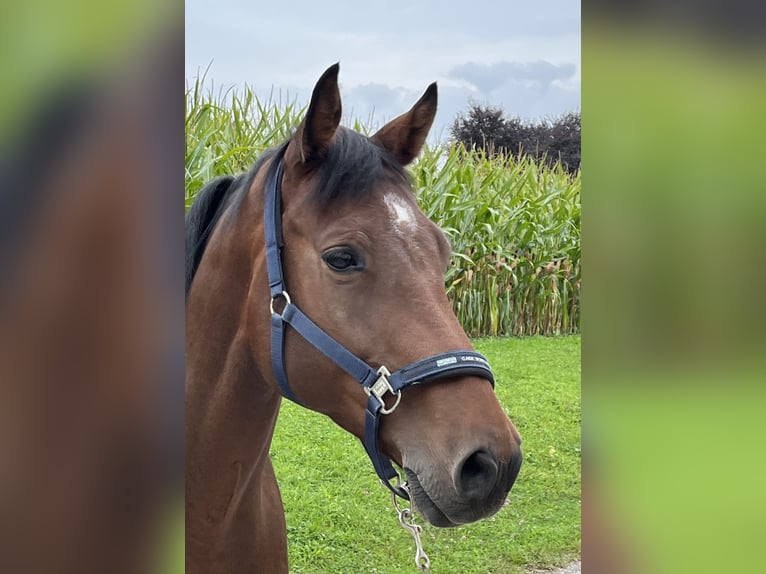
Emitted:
<point x="231" y="410"/>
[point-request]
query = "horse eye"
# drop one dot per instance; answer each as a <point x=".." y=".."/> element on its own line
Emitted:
<point x="342" y="259"/>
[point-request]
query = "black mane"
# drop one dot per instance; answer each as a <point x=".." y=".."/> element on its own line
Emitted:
<point x="200" y="220"/>
<point x="208" y="207"/>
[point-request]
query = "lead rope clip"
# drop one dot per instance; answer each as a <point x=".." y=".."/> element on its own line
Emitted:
<point x="407" y="521"/>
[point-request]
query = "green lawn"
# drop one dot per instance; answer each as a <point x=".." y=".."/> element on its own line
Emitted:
<point x="340" y="519"/>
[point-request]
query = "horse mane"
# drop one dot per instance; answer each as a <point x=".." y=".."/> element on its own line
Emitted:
<point x="200" y="221"/>
<point x="209" y="205"/>
<point x="351" y="167"/>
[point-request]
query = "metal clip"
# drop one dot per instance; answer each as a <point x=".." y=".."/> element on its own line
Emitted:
<point x="382" y="386"/>
<point x="407" y="521"/>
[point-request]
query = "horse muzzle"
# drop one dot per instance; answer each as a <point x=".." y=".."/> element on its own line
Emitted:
<point x="476" y="488"/>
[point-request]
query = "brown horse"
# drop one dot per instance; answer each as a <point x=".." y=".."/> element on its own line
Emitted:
<point x="367" y="266"/>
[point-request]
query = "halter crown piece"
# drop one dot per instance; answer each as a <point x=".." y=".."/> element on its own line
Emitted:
<point x="375" y="382"/>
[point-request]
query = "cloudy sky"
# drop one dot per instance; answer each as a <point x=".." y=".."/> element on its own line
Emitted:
<point x="523" y="56"/>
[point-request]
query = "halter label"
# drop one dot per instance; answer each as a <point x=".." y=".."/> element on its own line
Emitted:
<point x="447" y="361"/>
<point x="468" y="358"/>
<point x="380" y="387"/>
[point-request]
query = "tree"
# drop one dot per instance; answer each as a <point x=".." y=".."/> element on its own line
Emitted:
<point x="487" y="128"/>
<point x="482" y="127"/>
<point x="565" y="141"/>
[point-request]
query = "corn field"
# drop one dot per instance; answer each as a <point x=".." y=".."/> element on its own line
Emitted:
<point x="514" y="224"/>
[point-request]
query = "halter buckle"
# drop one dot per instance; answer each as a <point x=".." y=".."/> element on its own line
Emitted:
<point x="382" y="386"/>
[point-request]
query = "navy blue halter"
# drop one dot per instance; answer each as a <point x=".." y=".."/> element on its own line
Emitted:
<point x="376" y="382"/>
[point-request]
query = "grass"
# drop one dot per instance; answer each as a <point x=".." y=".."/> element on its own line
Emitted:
<point x="340" y="519"/>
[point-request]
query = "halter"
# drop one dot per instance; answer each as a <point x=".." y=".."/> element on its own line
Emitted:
<point x="375" y="382"/>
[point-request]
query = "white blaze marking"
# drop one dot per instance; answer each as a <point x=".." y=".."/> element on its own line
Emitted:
<point x="402" y="215"/>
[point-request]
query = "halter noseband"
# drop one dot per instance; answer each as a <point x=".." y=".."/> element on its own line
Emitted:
<point x="376" y="382"/>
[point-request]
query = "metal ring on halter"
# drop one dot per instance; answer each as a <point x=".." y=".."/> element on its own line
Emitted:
<point x="399" y="489"/>
<point x="393" y="494"/>
<point x="284" y="295"/>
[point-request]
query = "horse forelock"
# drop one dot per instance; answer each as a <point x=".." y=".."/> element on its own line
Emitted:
<point x="351" y="169"/>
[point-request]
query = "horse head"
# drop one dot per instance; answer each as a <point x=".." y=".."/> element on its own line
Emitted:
<point x="367" y="266"/>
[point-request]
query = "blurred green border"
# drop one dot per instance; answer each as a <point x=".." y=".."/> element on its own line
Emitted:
<point x="674" y="214"/>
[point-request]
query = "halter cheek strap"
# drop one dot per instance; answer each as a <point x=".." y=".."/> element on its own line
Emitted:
<point x="377" y="383"/>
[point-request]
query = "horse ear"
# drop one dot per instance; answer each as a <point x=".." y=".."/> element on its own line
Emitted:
<point x="317" y="130"/>
<point x="404" y="137"/>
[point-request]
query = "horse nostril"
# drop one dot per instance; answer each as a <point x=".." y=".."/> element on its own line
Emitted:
<point x="477" y="476"/>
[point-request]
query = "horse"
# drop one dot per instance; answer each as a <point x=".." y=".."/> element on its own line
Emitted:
<point x="315" y="276"/>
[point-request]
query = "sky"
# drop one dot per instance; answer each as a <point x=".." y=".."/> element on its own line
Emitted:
<point x="522" y="56"/>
